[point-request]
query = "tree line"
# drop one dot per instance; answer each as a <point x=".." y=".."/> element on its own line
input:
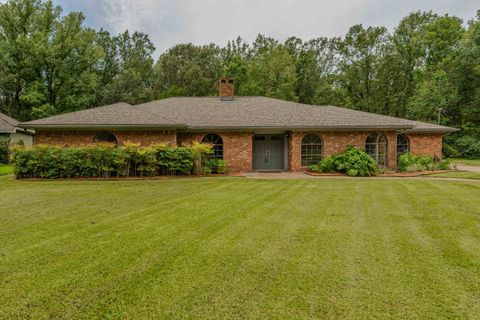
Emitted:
<point x="427" y="68"/>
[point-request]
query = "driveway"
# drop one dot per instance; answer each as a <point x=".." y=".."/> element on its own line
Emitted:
<point x="464" y="167"/>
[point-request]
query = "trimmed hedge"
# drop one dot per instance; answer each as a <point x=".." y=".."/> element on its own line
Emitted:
<point x="106" y="160"/>
<point x="353" y="162"/>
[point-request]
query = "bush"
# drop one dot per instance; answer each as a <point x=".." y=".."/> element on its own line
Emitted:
<point x="463" y="144"/>
<point x="327" y="165"/>
<point x="104" y="161"/>
<point x="4" y="152"/>
<point x="216" y="165"/>
<point x="353" y="162"/>
<point x="411" y="163"/>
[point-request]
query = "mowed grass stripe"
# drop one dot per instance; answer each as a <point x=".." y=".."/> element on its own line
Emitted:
<point x="445" y="269"/>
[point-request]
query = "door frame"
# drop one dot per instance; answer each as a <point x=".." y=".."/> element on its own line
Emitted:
<point x="285" y="150"/>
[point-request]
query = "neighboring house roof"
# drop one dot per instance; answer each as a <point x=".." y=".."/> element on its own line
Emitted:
<point x="210" y="113"/>
<point x="7" y="124"/>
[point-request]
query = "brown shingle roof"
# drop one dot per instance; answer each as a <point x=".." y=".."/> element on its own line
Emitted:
<point x="242" y="113"/>
<point x="114" y="115"/>
<point x="7" y="124"/>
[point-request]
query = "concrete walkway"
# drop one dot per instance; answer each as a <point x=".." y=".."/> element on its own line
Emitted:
<point x="465" y="167"/>
<point x="301" y="175"/>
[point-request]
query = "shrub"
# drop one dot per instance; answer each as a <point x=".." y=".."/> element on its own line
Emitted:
<point x="103" y="160"/>
<point x="411" y="163"/>
<point x="463" y="144"/>
<point x="353" y="162"/>
<point x="4" y="153"/>
<point x="327" y="165"/>
<point x="216" y="165"/>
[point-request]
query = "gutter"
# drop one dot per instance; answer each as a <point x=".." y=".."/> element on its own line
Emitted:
<point x="300" y="128"/>
<point x="102" y="126"/>
<point x="433" y="130"/>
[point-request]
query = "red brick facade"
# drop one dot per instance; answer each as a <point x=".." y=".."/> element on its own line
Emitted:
<point x="335" y="142"/>
<point x="238" y="146"/>
<point x="426" y="144"/>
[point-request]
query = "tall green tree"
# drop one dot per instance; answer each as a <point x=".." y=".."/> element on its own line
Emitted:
<point x="271" y="73"/>
<point x="47" y="60"/>
<point x="189" y="70"/>
<point x="360" y="52"/>
<point x="127" y="68"/>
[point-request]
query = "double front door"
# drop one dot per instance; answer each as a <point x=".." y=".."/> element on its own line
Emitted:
<point x="268" y="152"/>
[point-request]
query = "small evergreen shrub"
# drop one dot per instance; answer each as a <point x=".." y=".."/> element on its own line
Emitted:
<point x="353" y="162"/>
<point x="105" y="161"/>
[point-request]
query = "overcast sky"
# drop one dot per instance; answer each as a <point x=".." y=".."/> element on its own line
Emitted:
<point x="169" y="22"/>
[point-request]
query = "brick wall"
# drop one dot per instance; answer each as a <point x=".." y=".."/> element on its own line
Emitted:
<point x="237" y="148"/>
<point x="335" y="142"/>
<point x="78" y="138"/>
<point x="238" y="145"/>
<point x="425" y="144"/>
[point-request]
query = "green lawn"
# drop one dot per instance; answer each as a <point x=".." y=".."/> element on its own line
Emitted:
<point x="5" y="169"/>
<point x="220" y="248"/>
<point x="458" y="174"/>
<point x="470" y="162"/>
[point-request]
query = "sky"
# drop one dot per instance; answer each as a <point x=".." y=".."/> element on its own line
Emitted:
<point x="169" y="22"/>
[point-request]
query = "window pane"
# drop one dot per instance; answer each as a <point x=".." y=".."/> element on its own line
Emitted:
<point x="376" y="147"/>
<point x="217" y="145"/>
<point x="311" y="150"/>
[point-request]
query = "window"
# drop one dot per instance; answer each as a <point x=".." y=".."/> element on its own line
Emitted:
<point x="217" y="144"/>
<point x="403" y="145"/>
<point x="376" y="147"/>
<point x="105" y="136"/>
<point x="312" y="147"/>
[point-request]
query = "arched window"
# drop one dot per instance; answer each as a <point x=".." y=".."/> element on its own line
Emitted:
<point x="403" y="145"/>
<point x="217" y="143"/>
<point x="105" y="136"/>
<point x="312" y="147"/>
<point x="376" y="147"/>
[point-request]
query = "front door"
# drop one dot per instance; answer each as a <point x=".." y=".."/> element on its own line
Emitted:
<point x="268" y="152"/>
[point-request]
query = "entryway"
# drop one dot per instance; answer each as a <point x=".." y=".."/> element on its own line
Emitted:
<point x="268" y="152"/>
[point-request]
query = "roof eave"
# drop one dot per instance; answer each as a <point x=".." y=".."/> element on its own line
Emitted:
<point x="433" y="130"/>
<point x="305" y="128"/>
<point x="102" y="126"/>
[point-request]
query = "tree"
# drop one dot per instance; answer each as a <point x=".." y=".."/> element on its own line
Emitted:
<point x="127" y="65"/>
<point x="130" y="87"/>
<point x="360" y="51"/>
<point x="432" y="96"/>
<point x="189" y="70"/>
<point x="46" y="59"/>
<point x="315" y="62"/>
<point x="271" y="73"/>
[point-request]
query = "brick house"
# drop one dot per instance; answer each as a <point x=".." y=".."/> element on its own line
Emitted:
<point x="250" y="133"/>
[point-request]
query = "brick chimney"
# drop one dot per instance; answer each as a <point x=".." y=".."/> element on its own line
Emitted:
<point x="227" y="89"/>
